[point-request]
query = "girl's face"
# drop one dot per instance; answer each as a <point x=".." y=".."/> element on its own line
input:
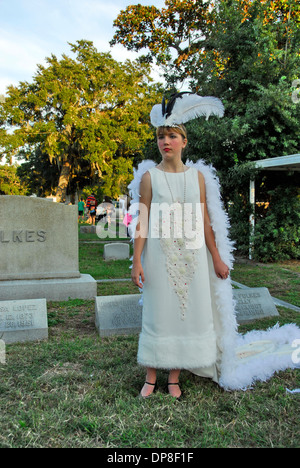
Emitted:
<point x="171" y="144"/>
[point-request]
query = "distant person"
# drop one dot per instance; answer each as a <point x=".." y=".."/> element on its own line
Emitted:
<point x="91" y="204"/>
<point x="109" y="208"/>
<point x="81" y="206"/>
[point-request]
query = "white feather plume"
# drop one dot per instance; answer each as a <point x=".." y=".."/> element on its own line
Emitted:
<point x="156" y="116"/>
<point x="186" y="108"/>
<point x="191" y="106"/>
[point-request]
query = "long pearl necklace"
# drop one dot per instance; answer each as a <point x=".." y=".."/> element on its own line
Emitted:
<point x="184" y="190"/>
<point x="180" y="262"/>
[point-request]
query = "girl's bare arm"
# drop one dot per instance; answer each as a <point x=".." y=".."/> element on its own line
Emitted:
<point x="221" y="269"/>
<point x="137" y="273"/>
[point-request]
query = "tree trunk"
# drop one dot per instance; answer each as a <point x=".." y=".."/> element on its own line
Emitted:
<point x="61" y="192"/>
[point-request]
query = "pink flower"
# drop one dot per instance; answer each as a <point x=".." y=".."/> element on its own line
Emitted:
<point x="127" y="219"/>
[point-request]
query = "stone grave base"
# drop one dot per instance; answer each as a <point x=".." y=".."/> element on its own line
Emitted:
<point x="84" y="287"/>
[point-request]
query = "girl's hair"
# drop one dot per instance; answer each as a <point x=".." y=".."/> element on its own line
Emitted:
<point x="178" y="129"/>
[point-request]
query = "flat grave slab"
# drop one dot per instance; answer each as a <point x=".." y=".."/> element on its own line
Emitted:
<point x="22" y="321"/>
<point x="253" y="304"/>
<point x="118" y="315"/>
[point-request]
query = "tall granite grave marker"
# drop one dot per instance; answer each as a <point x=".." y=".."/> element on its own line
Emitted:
<point x="39" y="251"/>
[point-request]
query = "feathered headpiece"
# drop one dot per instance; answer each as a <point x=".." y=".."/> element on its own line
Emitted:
<point x="183" y="107"/>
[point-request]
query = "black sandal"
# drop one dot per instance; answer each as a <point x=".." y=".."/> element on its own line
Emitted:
<point x="154" y="390"/>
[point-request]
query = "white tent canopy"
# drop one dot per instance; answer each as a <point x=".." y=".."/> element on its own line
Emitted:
<point x="283" y="163"/>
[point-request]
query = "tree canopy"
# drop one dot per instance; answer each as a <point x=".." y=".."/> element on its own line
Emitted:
<point x="88" y="116"/>
<point x="202" y="39"/>
<point x="246" y="52"/>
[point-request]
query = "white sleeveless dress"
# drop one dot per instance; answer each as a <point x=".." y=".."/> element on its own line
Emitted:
<point x="178" y="329"/>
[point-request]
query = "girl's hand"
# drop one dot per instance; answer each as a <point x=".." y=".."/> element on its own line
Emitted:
<point x="137" y="274"/>
<point x="221" y="269"/>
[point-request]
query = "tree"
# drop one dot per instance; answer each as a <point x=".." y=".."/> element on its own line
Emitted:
<point x="172" y="35"/>
<point x="83" y="113"/>
<point x="10" y="183"/>
<point x="38" y="174"/>
<point x="196" y="39"/>
<point x="245" y="52"/>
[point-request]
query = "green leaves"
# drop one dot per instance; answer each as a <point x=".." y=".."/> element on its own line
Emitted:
<point x="277" y="234"/>
<point x="245" y="52"/>
<point x="81" y="111"/>
<point x="10" y="183"/>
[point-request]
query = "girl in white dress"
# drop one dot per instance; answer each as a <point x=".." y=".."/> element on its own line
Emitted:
<point x="182" y="258"/>
<point x="178" y="327"/>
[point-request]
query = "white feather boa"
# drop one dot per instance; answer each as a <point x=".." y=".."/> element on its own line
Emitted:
<point x="243" y="359"/>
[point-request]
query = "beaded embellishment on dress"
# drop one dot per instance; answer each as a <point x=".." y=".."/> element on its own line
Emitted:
<point x="181" y="264"/>
<point x="181" y="257"/>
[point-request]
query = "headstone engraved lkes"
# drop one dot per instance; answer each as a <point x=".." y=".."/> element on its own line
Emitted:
<point x="39" y="251"/>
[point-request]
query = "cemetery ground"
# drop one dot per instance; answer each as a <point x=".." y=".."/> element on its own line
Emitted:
<point x="79" y="390"/>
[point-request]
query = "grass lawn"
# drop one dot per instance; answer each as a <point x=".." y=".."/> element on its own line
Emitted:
<point x="77" y="390"/>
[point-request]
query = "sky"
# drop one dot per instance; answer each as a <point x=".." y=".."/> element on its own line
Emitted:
<point x="31" y="30"/>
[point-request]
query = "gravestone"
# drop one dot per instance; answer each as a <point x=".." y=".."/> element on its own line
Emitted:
<point x="118" y="315"/>
<point x="39" y="251"/>
<point x="116" y="251"/>
<point x="37" y="239"/>
<point x="22" y="321"/>
<point x="253" y="304"/>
